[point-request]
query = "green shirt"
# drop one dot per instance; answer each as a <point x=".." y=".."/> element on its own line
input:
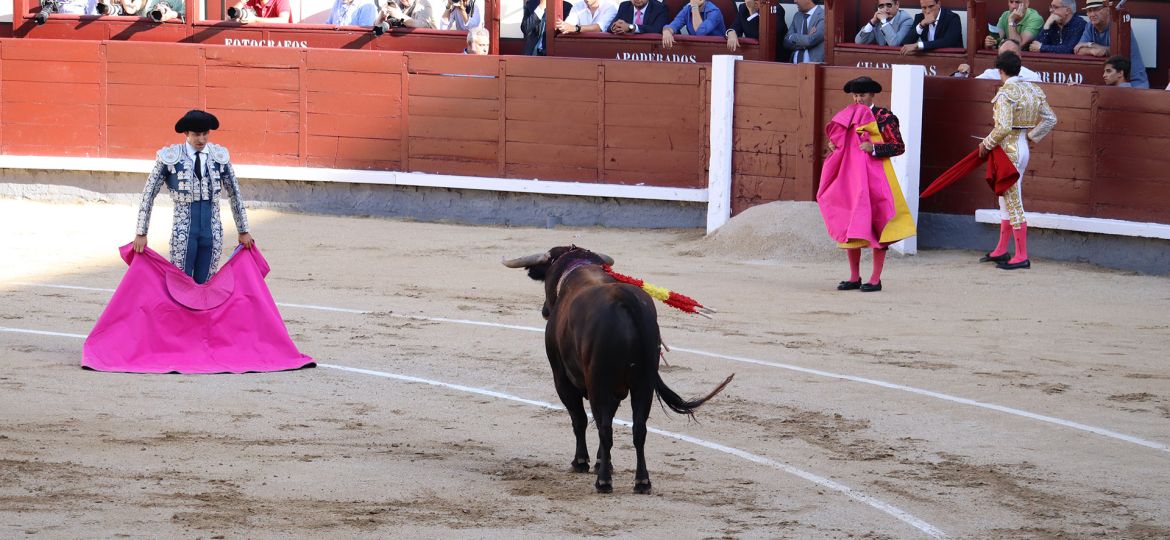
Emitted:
<point x="1031" y="23"/>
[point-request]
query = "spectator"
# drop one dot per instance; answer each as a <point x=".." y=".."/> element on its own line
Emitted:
<point x="700" y="17"/>
<point x="588" y="16"/>
<point x="1019" y="22"/>
<point x="77" y="7"/>
<point x="747" y="24"/>
<point x="1095" y="41"/>
<point x="353" y="13"/>
<point x="479" y="40"/>
<point x="412" y="13"/>
<point x="888" y="27"/>
<point x="267" y="11"/>
<point x="1117" y="72"/>
<point x="640" y="17"/>
<point x="461" y="14"/>
<point x="992" y="73"/>
<point x="806" y="36"/>
<point x="1061" y="31"/>
<point x="167" y="9"/>
<point x="533" y="23"/>
<point x="935" y="28"/>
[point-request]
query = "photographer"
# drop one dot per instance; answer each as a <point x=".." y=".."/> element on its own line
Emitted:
<point x="352" y="13"/>
<point x="77" y="7"/>
<point x="266" y="11"/>
<point x="165" y="10"/>
<point x="462" y="14"/>
<point x="411" y="13"/>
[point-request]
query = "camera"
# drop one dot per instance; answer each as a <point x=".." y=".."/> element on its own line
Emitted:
<point x="387" y="24"/>
<point x="158" y="13"/>
<point x="243" y="14"/>
<point x="47" y="7"/>
<point x="108" y="9"/>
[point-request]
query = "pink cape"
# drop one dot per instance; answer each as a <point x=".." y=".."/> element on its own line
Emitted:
<point x="160" y="321"/>
<point x="854" y="196"/>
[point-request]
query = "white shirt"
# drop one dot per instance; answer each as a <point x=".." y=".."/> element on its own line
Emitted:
<point x="929" y="30"/>
<point x="635" y="17"/>
<point x="604" y="16"/>
<point x="202" y="158"/>
<point x="1025" y="75"/>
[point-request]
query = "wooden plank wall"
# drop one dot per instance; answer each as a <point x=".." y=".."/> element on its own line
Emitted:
<point x="553" y="119"/>
<point x="1104" y="159"/>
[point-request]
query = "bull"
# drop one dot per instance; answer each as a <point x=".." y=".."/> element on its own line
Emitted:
<point x="602" y="341"/>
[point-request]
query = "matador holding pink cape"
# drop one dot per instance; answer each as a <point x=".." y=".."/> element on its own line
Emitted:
<point x="182" y="315"/>
<point x="859" y="195"/>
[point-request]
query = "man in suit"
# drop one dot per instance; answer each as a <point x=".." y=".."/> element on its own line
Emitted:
<point x="935" y="28"/>
<point x="640" y="17"/>
<point x="747" y="24"/>
<point x="806" y="36"/>
<point x="532" y="25"/>
<point x="888" y="27"/>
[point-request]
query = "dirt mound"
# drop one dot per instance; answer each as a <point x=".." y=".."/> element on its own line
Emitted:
<point x="788" y="231"/>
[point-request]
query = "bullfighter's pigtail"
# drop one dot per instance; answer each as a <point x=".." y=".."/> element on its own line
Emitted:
<point x="666" y="296"/>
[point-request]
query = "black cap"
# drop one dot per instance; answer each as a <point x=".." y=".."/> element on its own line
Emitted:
<point x="196" y="120"/>
<point x="863" y="85"/>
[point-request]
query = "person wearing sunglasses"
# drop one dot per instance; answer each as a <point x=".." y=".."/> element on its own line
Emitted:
<point x="888" y="27"/>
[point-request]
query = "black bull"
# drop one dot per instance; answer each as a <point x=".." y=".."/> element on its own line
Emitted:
<point x="602" y="341"/>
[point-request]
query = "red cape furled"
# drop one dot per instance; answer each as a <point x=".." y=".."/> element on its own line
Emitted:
<point x="855" y="196"/>
<point x="1001" y="172"/>
<point x="160" y="321"/>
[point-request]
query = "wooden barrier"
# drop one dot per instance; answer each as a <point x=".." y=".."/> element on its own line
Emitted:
<point x="512" y="117"/>
<point x="1102" y="160"/>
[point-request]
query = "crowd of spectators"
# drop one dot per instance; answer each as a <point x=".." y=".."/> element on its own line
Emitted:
<point x="1019" y="28"/>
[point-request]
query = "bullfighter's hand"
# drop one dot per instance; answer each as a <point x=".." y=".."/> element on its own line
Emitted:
<point x="246" y="240"/>
<point x="139" y="243"/>
<point x="832" y="147"/>
<point x="866" y="146"/>
<point x="983" y="151"/>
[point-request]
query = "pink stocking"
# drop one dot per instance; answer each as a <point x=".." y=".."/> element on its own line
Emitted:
<point x="879" y="260"/>
<point x="1021" y="235"/>
<point x="854" y="263"/>
<point x="1005" y="232"/>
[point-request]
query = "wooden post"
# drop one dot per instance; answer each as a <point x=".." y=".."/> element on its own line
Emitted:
<point x="768" y="13"/>
<point x="833" y="21"/>
<point x="811" y="102"/>
<point x="976" y="30"/>
<point x="494" y="26"/>
<point x="1119" y="32"/>
<point x="553" y="11"/>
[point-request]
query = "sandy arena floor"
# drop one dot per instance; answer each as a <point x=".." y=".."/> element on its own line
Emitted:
<point x="961" y="401"/>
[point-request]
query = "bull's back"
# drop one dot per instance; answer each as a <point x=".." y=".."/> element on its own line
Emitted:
<point x="611" y="332"/>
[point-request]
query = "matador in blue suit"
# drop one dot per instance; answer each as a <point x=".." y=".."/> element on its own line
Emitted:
<point x="195" y="172"/>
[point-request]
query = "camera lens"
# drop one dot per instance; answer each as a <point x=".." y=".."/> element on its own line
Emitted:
<point x="233" y="13"/>
<point x="156" y="15"/>
<point x="103" y="9"/>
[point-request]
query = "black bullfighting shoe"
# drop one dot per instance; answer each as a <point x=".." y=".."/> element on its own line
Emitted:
<point x="1026" y="263"/>
<point x="849" y="285"/>
<point x="988" y="257"/>
<point x="875" y="287"/>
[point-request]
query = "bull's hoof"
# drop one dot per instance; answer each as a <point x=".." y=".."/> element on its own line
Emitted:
<point x="603" y="488"/>
<point x="580" y="465"/>
<point x="642" y="487"/>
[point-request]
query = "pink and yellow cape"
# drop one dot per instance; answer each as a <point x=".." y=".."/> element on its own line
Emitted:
<point x="859" y="195"/>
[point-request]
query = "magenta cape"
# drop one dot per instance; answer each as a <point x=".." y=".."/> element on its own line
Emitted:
<point x="854" y="196"/>
<point x="160" y="321"/>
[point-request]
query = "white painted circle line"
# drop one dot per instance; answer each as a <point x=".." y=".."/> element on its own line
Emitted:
<point x="853" y="378"/>
<point x="882" y="506"/>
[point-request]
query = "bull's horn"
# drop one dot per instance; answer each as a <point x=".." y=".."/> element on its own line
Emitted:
<point x="608" y="260"/>
<point x="525" y="262"/>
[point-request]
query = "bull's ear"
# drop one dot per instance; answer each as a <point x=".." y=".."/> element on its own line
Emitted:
<point x="538" y="272"/>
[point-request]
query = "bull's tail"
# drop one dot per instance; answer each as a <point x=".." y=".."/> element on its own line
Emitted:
<point x="679" y="405"/>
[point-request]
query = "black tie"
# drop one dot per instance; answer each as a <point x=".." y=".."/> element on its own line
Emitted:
<point x="198" y="166"/>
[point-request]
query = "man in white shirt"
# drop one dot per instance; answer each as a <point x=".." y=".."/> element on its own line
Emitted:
<point x="588" y="16"/>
